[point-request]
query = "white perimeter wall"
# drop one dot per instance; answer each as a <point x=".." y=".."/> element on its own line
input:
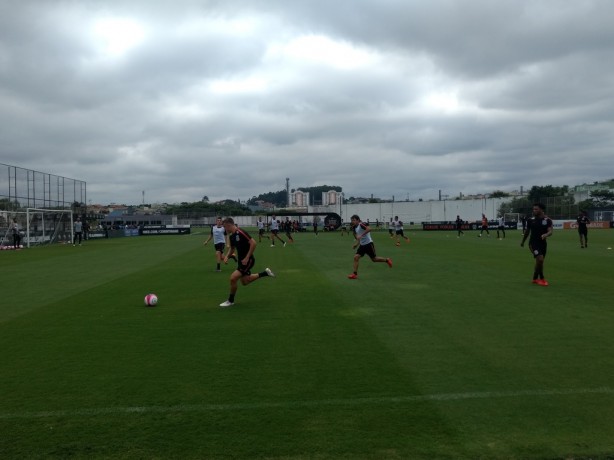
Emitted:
<point x="419" y="211"/>
<point x="408" y="211"/>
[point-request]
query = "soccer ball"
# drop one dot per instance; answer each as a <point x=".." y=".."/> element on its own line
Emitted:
<point x="151" y="300"/>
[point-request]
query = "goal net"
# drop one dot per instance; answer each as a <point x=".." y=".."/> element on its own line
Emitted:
<point x="512" y="218"/>
<point x="47" y="226"/>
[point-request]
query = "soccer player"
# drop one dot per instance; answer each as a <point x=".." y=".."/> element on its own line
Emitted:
<point x="16" y="234"/>
<point x="275" y="231"/>
<point x="78" y="228"/>
<point x="501" y="226"/>
<point x="398" y="231"/>
<point x="244" y="246"/>
<point x="288" y="228"/>
<point x="539" y="228"/>
<point x="583" y="222"/>
<point x="218" y="234"/>
<point x="484" y="226"/>
<point x="362" y="233"/>
<point x="260" y="225"/>
<point x="459" y="226"/>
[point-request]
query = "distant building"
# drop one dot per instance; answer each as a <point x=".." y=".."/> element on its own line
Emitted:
<point x="299" y="198"/>
<point x="583" y="192"/>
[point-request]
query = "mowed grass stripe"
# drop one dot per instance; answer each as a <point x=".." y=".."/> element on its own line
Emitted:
<point x="313" y="403"/>
<point x="37" y="276"/>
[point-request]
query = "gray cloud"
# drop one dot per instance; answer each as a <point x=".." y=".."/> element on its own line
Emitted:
<point x="228" y="98"/>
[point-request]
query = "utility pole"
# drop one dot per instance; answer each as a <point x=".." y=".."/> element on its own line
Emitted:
<point x="288" y="192"/>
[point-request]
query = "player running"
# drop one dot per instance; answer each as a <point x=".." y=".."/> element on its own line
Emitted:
<point x="260" y="225"/>
<point x="362" y="233"/>
<point x="244" y="246"/>
<point x="398" y="230"/>
<point x="275" y="231"/>
<point x="484" y="226"/>
<point x="218" y="234"/>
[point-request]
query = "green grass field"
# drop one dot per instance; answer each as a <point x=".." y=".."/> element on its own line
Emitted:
<point x="452" y="353"/>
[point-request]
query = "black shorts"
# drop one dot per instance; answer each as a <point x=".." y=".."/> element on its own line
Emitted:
<point x="219" y="247"/>
<point x="399" y="232"/>
<point x="261" y="231"/>
<point x="367" y="249"/>
<point x="583" y="231"/>
<point x="246" y="269"/>
<point x="274" y="232"/>
<point x="538" y="248"/>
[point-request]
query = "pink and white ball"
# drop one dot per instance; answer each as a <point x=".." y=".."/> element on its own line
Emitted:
<point x="151" y="300"/>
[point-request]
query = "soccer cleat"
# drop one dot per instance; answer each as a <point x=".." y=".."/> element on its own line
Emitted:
<point x="389" y="262"/>
<point x="272" y="245"/>
<point x="398" y="243"/>
<point x="353" y="276"/>
<point x="269" y="272"/>
<point x="284" y="244"/>
<point x="542" y="282"/>
<point x="535" y="282"/>
<point x="228" y="303"/>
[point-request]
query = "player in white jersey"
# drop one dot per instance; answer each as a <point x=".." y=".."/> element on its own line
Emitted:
<point x="78" y="227"/>
<point x="398" y="230"/>
<point x="362" y="233"/>
<point x="260" y="225"/>
<point x="218" y="234"/>
<point x="501" y="226"/>
<point x="275" y="231"/>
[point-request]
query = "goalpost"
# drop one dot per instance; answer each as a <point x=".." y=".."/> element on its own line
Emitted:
<point x="46" y="226"/>
<point x="512" y="217"/>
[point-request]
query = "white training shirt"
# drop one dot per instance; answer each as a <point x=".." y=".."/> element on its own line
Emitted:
<point x="219" y="234"/>
<point x="365" y="238"/>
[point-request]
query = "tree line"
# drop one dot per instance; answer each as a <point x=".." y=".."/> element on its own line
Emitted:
<point x="559" y="202"/>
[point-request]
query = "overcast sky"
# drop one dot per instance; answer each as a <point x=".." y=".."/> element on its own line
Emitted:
<point x="183" y="99"/>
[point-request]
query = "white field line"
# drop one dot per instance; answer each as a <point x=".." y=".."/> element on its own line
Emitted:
<point x="298" y="404"/>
